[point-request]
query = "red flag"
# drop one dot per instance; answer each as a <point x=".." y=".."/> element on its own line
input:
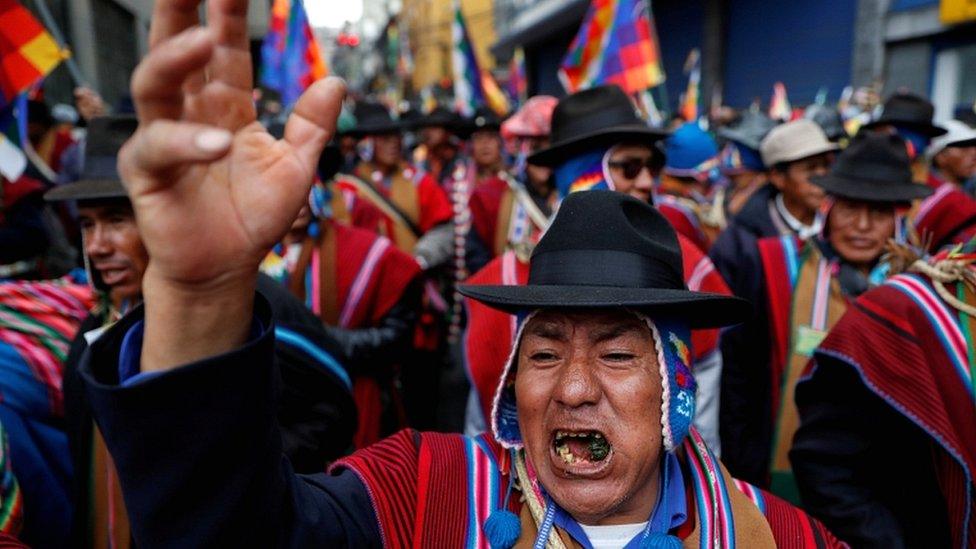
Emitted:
<point x="27" y="51"/>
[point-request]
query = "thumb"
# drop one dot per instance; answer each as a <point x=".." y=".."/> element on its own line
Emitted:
<point x="313" y="121"/>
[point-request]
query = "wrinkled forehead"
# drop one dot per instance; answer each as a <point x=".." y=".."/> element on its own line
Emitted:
<point x="593" y="324"/>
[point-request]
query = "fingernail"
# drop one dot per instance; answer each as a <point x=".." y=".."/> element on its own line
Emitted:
<point x="213" y="140"/>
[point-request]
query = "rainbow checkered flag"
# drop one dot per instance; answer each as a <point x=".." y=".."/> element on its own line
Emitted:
<point x="616" y="44"/>
<point x="290" y="57"/>
<point x="469" y="92"/>
<point x="27" y="51"/>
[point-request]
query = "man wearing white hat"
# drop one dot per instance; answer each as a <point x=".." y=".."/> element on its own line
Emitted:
<point x="794" y="153"/>
<point x="952" y="156"/>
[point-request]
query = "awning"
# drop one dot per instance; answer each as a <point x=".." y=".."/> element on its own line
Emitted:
<point x="539" y="22"/>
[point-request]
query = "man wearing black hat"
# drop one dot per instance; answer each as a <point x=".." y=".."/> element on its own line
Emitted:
<point x="417" y="216"/>
<point x="598" y="142"/>
<point x="476" y="192"/>
<point x="910" y="117"/>
<point x="439" y="151"/>
<point x="317" y="409"/>
<point x="594" y="412"/>
<point x="804" y="289"/>
<point x="365" y="291"/>
<point x="486" y="142"/>
<point x="740" y="159"/>
<point x="412" y="203"/>
<point x="829" y="120"/>
<point x="885" y="394"/>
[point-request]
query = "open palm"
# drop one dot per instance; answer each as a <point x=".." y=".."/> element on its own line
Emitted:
<point x="212" y="190"/>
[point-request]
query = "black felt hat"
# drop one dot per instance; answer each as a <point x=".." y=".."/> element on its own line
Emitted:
<point x="100" y="175"/>
<point x="828" y="119"/>
<point x="440" y="116"/>
<point x="592" y="118"/>
<point x="873" y="167"/>
<point x="909" y="111"/>
<point x="373" y="119"/>
<point x="608" y="249"/>
<point x="484" y="119"/>
<point x="749" y="130"/>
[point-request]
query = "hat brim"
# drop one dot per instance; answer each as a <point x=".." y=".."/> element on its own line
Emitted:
<point x="797" y="154"/>
<point x="365" y="131"/>
<point x="929" y="130"/>
<point x="87" y="189"/>
<point x="450" y="123"/>
<point x="741" y="138"/>
<point x="871" y="191"/>
<point x="698" y="309"/>
<point x="558" y="152"/>
<point x="971" y="142"/>
<point x="486" y="128"/>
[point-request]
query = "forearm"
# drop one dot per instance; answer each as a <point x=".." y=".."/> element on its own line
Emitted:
<point x="210" y="471"/>
<point x="187" y="324"/>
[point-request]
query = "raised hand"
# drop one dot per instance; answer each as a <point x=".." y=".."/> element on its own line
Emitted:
<point x="212" y="190"/>
<point x="89" y="103"/>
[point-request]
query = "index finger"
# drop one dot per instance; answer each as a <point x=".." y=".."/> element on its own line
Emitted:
<point x="171" y="17"/>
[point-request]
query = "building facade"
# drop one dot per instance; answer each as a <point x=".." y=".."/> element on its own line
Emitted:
<point x="746" y="45"/>
<point x="926" y="46"/>
<point x="930" y="48"/>
<point x="429" y="24"/>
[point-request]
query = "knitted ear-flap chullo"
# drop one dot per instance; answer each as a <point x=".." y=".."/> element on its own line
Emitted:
<point x="672" y="341"/>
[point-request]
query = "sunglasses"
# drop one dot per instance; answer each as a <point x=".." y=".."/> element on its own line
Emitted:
<point x="632" y="167"/>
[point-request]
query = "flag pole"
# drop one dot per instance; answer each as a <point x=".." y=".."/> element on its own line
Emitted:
<point x="665" y="103"/>
<point x="52" y="27"/>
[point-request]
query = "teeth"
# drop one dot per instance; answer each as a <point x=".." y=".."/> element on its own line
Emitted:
<point x="566" y="455"/>
<point x="564" y="434"/>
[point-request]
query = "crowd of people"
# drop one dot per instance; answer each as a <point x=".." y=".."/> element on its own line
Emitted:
<point x="369" y="326"/>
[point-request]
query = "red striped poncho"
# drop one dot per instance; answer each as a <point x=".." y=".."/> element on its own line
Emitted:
<point x="910" y="348"/>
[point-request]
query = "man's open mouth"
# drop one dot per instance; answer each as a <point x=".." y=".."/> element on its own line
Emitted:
<point x="581" y="447"/>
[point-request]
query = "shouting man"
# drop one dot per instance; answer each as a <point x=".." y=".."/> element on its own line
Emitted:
<point x="593" y="414"/>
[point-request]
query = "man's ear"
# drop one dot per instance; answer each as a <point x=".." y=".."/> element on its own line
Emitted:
<point x="777" y="178"/>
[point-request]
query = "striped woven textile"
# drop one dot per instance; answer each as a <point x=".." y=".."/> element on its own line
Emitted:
<point x="437" y="490"/>
<point x="909" y="347"/>
<point x="39" y="320"/>
<point x="11" y="500"/>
